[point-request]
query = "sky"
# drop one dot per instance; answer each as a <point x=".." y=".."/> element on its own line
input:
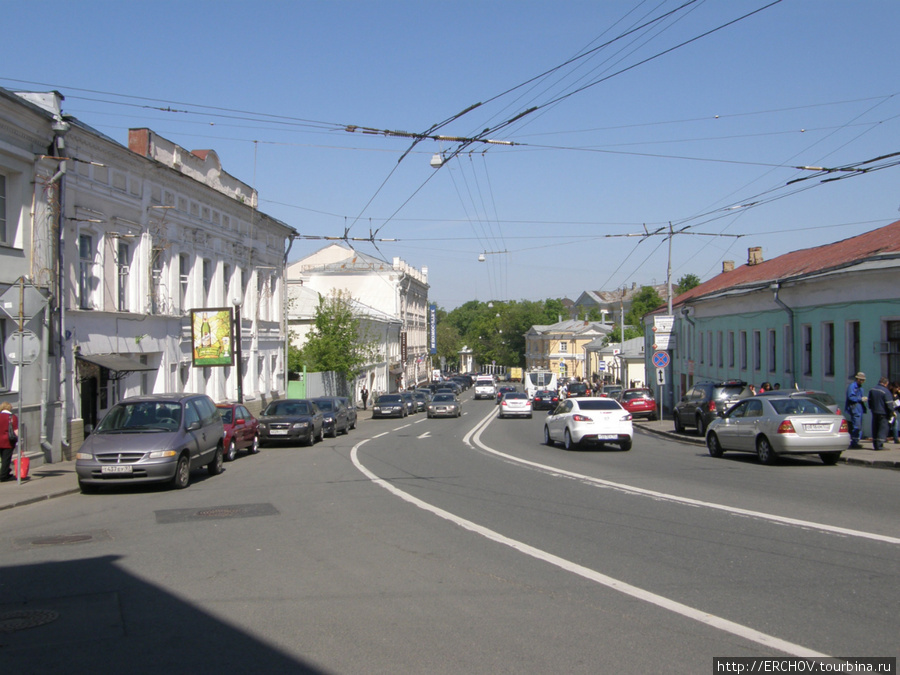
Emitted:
<point x="583" y="125"/>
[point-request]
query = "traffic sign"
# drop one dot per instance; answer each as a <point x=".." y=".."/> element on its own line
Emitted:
<point x="660" y="359"/>
<point x="660" y="376"/>
<point x="22" y="348"/>
<point x="22" y="302"/>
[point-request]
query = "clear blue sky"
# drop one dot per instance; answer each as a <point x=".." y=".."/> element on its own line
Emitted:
<point x="713" y="124"/>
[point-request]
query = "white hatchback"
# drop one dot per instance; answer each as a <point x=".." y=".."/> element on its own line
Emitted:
<point x="577" y="421"/>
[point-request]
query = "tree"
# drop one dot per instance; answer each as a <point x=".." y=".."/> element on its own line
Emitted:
<point x="335" y="342"/>
<point x="686" y="283"/>
<point x="645" y="300"/>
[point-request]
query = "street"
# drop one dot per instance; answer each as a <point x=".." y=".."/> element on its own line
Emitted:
<point x="459" y="546"/>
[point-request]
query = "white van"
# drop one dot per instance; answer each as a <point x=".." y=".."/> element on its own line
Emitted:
<point x="485" y="387"/>
<point x="539" y="379"/>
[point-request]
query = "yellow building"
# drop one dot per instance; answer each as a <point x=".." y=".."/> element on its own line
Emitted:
<point x="560" y="347"/>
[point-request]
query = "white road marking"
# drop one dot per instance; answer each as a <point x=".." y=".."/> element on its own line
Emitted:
<point x="475" y="436"/>
<point x="602" y="579"/>
<point x="427" y="434"/>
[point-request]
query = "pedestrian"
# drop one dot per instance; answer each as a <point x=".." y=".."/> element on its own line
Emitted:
<point x="854" y="407"/>
<point x="752" y="390"/>
<point x="764" y="387"/>
<point x="895" y="419"/>
<point x="777" y="386"/>
<point x="8" y="422"/>
<point x="881" y="403"/>
<point x="364" y="395"/>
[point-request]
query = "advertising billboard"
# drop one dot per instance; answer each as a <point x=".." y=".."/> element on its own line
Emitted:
<point x="212" y="337"/>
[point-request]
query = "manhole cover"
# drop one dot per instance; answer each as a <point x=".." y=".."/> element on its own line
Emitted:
<point x="26" y="618"/>
<point x="61" y="539"/>
<point x="219" y="513"/>
<point x="222" y="512"/>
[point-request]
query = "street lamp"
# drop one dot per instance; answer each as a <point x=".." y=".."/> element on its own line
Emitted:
<point x="238" y="339"/>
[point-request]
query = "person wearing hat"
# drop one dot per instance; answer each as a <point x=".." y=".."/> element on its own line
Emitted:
<point x="854" y="408"/>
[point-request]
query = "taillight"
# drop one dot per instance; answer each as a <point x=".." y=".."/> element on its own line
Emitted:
<point x="845" y="428"/>
<point x="503" y="402"/>
<point x="626" y="418"/>
<point x="581" y="418"/>
<point x="839" y="412"/>
<point x="712" y="406"/>
<point x="786" y="428"/>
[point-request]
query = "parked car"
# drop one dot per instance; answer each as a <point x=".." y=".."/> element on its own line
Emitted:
<point x="241" y="429"/>
<point x="706" y="401"/>
<point x="410" y="402"/>
<point x="390" y="405"/>
<point x="291" y="419"/>
<point x="515" y="404"/>
<point x="639" y="402"/>
<point x="610" y="390"/>
<point x="822" y="397"/>
<point x="544" y="399"/>
<point x="156" y="438"/>
<point x="505" y="389"/>
<point x="576" y="389"/>
<point x="335" y="414"/>
<point x="444" y="405"/>
<point x="779" y="425"/>
<point x="352" y="415"/>
<point x="577" y="421"/>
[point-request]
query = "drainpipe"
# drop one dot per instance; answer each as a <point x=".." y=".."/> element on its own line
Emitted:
<point x="790" y="312"/>
<point x="60" y="128"/>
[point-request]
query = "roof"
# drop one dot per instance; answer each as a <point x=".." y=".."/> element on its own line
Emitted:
<point x="881" y="243"/>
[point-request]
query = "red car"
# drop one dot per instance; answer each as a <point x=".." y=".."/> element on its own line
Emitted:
<point x="241" y="429"/>
<point x="639" y="402"/>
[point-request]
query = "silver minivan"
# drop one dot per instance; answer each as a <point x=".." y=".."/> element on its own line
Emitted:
<point x="152" y="439"/>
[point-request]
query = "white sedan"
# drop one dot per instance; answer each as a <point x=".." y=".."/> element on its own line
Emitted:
<point x="576" y="421"/>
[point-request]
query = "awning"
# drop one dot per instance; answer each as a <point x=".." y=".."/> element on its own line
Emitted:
<point x="121" y="363"/>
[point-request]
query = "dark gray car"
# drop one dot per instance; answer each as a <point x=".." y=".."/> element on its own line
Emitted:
<point x="337" y="418"/>
<point x="297" y="420"/>
<point x="706" y="401"/>
<point x="157" y="438"/>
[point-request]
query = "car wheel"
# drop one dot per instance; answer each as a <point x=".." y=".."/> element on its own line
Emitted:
<point x="625" y="445"/>
<point x="701" y="426"/>
<point x="182" y="477"/>
<point x="321" y="434"/>
<point x="653" y="417"/>
<point x="333" y="433"/>
<point x="764" y="451"/>
<point x="231" y="455"/>
<point x="529" y="417"/>
<point x="254" y="448"/>
<point x="353" y="424"/>
<point x="568" y="443"/>
<point x="679" y="427"/>
<point x="310" y="437"/>
<point x="216" y="466"/>
<point x="829" y="458"/>
<point x="713" y="445"/>
<point x="547" y="439"/>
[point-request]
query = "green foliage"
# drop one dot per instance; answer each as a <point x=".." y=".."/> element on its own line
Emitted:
<point x="335" y="342"/>
<point x="686" y="283"/>
<point x="615" y="336"/>
<point x="645" y="300"/>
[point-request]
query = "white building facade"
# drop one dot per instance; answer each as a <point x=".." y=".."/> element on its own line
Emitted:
<point x="389" y="298"/>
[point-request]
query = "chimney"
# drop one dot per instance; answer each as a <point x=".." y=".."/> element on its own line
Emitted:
<point x="754" y="255"/>
<point x="727" y="266"/>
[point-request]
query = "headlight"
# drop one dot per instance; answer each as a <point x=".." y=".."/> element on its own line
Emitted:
<point x="301" y="425"/>
<point x="83" y="455"/>
<point x="159" y="454"/>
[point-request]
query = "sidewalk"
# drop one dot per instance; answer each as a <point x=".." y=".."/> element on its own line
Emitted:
<point x="55" y="480"/>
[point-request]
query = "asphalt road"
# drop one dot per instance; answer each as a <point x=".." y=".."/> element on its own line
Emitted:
<point x="457" y="546"/>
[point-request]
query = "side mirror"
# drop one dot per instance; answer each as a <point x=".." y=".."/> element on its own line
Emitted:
<point x="194" y="425"/>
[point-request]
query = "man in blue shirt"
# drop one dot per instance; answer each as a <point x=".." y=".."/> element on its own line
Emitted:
<point x="854" y="407"/>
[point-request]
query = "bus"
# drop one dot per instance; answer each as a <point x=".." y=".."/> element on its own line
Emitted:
<point x="539" y="379"/>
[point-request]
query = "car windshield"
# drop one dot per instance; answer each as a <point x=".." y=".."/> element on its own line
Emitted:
<point x="325" y="405"/>
<point x="142" y="416"/>
<point x="388" y="400"/>
<point x="728" y="391"/>
<point x="631" y="395"/>
<point x="287" y="408"/>
<point x="598" y="404"/>
<point x="444" y="398"/>
<point x="516" y="394"/>
<point x="799" y="406"/>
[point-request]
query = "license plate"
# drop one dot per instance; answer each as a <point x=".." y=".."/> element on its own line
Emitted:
<point x="277" y="432"/>
<point x="607" y="437"/>
<point x="817" y="427"/>
<point x="116" y="468"/>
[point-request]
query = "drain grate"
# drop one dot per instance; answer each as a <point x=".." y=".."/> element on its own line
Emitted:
<point x="26" y="618"/>
<point x="61" y="539"/>
<point x="216" y="513"/>
<point x="73" y="539"/>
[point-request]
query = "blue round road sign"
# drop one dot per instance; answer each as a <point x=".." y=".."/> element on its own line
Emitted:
<point x="660" y="359"/>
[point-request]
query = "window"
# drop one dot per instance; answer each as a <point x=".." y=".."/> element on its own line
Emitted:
<point x="700" y="350"/>
<point x="789" y="349"/>
<point x="85" y="270"/>
<point x="893" y="336"/>
<point x="720" y="338"/>
<point x="4" y="380"/>
<point x="184" y="276"/>
<point x="123" y="265"/>
<point x="828" y="349"/>
<point x="806" y="333"/>
<point x="3" y="232"/>
<point x="207" y="281"/>
<point x="156" y="274"/>
<point x="709" y="342"/>
<point x="731" y="349"/>
<point x="771" y="351"/>
<point x="853" y="348"/>
<point x="563" y="347"/>
<point x="757" y="350"/>
<point x="743" y="349"/>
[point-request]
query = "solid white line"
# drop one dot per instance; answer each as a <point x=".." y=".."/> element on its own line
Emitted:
<point x="475" y="436"/>
<point x="591" y="575"/>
